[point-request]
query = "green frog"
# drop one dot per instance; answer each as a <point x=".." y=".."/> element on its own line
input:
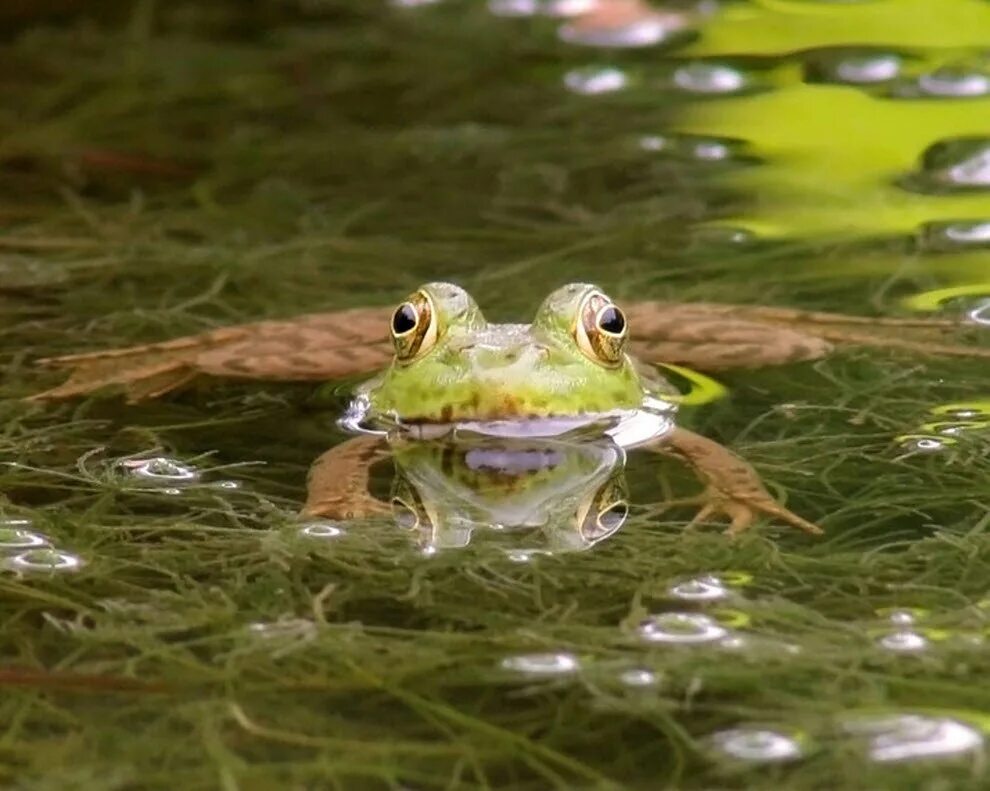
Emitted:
<point x="455" y="376"/>
<point x="448" y="373"/>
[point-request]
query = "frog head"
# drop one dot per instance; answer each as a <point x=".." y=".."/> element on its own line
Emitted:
<point x="452" y="366"/>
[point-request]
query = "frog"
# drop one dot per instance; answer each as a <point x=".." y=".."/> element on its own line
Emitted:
<point x="455" y="375"/>
<point x="445" y="368"/>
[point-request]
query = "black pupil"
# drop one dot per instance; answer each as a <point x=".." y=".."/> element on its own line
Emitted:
<point x="404" y="318"/>
<point x="612" y="320"/>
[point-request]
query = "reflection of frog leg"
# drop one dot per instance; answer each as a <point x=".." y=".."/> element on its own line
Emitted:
<point x="318" y="347"/>
<point x="716" y="337"/>
<point x="732" y="487"/>
<point x="337" y="484"/>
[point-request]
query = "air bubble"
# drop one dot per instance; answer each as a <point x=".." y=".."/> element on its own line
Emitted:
<point x="320" y="529"/>
<point x="542" y="664"/>
<point x="711" y="151"/>
<point x="525" y="555"/>
<point x="946" y="236"/>
<point x="17" y="538"/>
<point x="642" y="29"/>
<point x="160" y="471"/>
<point x="924" y="444"/>
<point x="654" y="143"/>
<point x="709" y="78"/>
<point x="910" y="737"/>
<point x="904" y="641"/>
<point x="948" y="82"/>
<point x="980" y="314"/>
<point x="44" y="560"/>
<point x="552" y="8"/>
<point x="681" y="628"/>
<point x="594" y="80"/>
<point x="756" y="745"/>
<point x="901" y="616"/>
<point x="855" y="69"/>
<point x="638" y="677"/>
<point x="707" y="588"/>
<point x="283" y="629"/>
<point x="951" y="165"/>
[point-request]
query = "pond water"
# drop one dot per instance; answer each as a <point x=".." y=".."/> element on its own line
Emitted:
<point x="170" y="621"/>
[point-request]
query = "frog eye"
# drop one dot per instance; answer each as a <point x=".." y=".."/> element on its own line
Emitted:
<point x="601" y="329"/>
<point x="413" y="327"/>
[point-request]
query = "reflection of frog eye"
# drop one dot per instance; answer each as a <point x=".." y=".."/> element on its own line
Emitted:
<point x="601" y="329"/>
<point x="413" y="327"/>
<point x="605" y="511"/>
<point x="613" y="517"/>
<point x="405" y="515"/>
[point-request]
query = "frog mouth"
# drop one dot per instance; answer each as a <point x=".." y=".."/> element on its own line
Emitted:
<point x="625" y="427"/>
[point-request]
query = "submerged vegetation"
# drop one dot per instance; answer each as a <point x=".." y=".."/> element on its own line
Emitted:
<point x="177" y="166"/>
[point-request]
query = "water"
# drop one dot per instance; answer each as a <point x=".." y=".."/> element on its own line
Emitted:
<point x="171" y="168"/>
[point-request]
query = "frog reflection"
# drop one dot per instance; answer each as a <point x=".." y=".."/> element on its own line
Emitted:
<point x="551" y="495"/>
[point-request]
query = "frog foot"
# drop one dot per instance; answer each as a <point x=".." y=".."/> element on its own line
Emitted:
<point x="743" y="509"/>
<point x="733" y="488"/>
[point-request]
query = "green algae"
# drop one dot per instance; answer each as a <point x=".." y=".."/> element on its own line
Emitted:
<point x="284" y="158"/>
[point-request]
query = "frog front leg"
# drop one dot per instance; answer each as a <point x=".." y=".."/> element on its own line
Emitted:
<point x="337" y="483"/>
<point x="733" y="488"/>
